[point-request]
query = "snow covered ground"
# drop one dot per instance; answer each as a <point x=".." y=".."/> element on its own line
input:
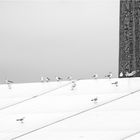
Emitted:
<point x="52" y="111"/>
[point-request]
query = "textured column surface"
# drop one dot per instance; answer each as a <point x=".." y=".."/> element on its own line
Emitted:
<point x="129" y="49"/>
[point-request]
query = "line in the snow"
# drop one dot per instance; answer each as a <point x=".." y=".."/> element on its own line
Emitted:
<point x="129" y="136"/>
<point x="33" y="97"/>
<point x="76" y="114"/>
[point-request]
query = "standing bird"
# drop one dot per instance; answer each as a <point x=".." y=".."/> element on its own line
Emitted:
<point x="109" y="75"/>
<point x="58" y="78"/>
<point x="8" y="82"/>
<point x="115" y="83"/>
<point x="121" y="74"/>
<point x="94" y="100"/>
<point x="95" y="76"/>
<point x="73" y="85"/>
<point x="131" y="74"/>
<point x="21" y="120"/>
<point x="47" y="79"/>
<point x="42" y="79"/>
<point x="69" y="78"/>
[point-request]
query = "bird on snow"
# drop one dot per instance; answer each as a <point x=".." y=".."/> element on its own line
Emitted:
<point x="58" y="78"/>
<point x="109" y="75"/>
<point x="21" y="119"/>
<point x="95" y="76"/>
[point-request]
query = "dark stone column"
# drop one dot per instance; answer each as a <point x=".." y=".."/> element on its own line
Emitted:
<point x="129" y="47"/>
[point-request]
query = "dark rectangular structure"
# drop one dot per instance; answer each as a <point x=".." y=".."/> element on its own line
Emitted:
<point x="129" y="46"/>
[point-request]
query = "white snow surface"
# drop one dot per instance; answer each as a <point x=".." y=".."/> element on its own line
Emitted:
<point x="52" y="111"/>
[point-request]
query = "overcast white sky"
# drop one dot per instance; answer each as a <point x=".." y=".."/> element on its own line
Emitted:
<point x="58" y="37"/>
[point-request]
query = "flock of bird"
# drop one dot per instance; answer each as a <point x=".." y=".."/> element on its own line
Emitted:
<point x="95" y="100"/>
<point x="47" y="79"/>
<point x="95" y="76"/>
<point x="73" y="86"/>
